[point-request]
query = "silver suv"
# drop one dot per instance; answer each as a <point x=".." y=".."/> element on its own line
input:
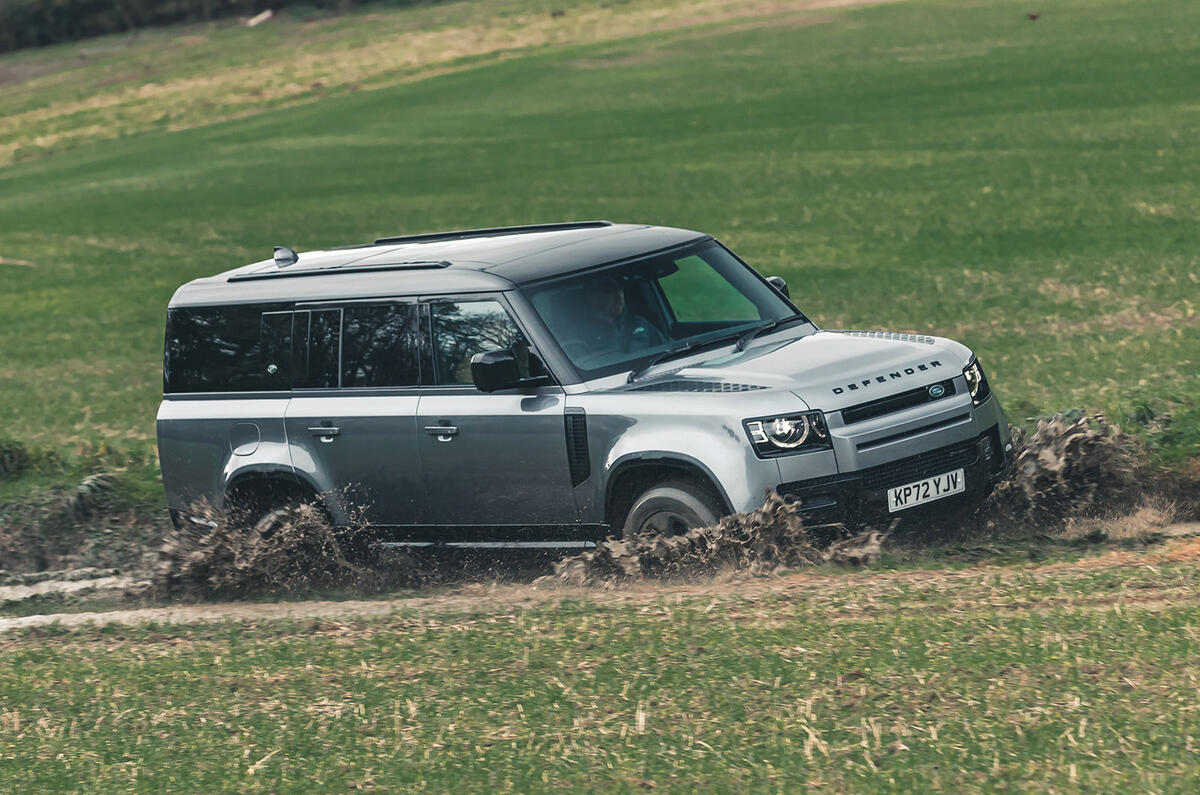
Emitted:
<point x="553" y="385"/>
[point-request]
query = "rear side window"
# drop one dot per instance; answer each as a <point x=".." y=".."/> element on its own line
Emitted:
<point x="380" y="346"/>
<point x="317" y="364"/>
<point x="267" y="348"/>
<point x="227" y="349"/>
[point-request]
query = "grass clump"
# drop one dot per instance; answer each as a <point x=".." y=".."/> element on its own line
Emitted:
<point x="15" y="458"/>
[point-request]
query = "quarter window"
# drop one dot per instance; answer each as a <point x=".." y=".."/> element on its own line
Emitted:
<point x="226" y="349"/>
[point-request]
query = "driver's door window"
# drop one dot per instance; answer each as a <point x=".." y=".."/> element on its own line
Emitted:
<point x="462" y="329"/>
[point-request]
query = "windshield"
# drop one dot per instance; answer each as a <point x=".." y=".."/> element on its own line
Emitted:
<point x="617" y="319"/>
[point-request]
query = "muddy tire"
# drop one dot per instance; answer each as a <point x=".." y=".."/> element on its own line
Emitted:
<point x="672" y="508"/>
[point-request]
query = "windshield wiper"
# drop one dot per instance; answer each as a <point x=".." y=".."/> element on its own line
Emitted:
<point x="679" y="350"/>
<point x="778" y="322"/>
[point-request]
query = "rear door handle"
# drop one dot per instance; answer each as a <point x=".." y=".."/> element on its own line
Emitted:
<point x="444" y="433"/>
<point x="325" y="432"/>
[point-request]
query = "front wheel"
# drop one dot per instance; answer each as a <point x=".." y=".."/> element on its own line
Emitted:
<point x="672" y="508"/>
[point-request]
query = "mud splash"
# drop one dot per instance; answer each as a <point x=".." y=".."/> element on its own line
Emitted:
<point x="1069" y="469"/>
<point x="773" y="537"/>
<point x="288" y="551"/>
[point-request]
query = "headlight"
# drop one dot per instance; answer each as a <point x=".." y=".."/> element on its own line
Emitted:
<point x="788" y="433"/>
<point x="977" y="382"/>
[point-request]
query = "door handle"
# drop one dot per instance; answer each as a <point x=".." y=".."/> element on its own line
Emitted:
<point x="444" y="433"/>
<point x="325" y="432"/>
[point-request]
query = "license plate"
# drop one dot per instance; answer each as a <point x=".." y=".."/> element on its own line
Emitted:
<point x="927" y="490"/>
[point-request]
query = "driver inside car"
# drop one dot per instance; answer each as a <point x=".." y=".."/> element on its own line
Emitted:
<point x="607" y="324"/>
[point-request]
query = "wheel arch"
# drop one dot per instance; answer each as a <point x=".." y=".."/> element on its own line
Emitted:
<point x="269" y="484"/>
<point x="635" y="472"/>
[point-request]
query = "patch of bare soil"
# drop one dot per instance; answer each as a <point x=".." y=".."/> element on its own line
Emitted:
<point x="69" y="528"/>
<point x="874" y="593"/>
<point x="70" y="586"/>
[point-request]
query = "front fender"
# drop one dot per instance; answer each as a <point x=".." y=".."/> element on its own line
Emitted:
<point x="697" y="430"/>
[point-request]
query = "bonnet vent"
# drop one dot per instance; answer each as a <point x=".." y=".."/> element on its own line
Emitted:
<point x="696" y="386"/>
<point x="886" y="335"/>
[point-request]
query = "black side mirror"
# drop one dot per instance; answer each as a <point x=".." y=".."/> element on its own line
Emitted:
<point x="495" y="370"/>
<point x="779" y="284"/>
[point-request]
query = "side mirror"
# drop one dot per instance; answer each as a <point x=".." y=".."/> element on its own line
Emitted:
<point x="779" y="284"/>
<point x="495" y="370"/>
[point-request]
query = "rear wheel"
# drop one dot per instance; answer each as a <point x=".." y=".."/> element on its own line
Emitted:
<point x="672" y="508"/>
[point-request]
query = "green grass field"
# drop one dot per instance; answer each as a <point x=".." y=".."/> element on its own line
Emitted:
<point x="1063" y="679"/>
<point x="1030" y="188"/>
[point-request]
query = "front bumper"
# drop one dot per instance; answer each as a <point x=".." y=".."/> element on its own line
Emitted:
<point x="860" y="496"/>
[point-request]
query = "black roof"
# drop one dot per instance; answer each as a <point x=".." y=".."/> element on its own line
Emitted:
<point x="475" y="260"/>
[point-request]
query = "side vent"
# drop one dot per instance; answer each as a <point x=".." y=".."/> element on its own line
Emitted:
<point x="577" y="446"/>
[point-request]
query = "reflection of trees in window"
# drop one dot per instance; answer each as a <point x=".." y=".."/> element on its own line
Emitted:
<point x="320" y="368"/>
<point x="379" y="346"/>
<point x="462" y="330"/>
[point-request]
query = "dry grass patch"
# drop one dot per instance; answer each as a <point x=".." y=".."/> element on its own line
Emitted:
<point x="133" y="102"/>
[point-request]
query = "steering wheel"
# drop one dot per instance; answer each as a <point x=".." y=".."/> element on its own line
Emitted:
<point x="645" y="335"/>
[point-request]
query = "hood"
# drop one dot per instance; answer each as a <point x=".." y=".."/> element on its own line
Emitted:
<point x="830" y="370"/>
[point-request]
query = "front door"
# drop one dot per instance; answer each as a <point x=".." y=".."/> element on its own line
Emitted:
<point x="491" y="460"/>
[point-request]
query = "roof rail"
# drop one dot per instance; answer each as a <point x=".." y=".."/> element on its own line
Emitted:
<point x="295" y="273"/>
<point x="498" y="230"/>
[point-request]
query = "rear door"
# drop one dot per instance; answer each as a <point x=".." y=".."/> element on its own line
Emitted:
<point x="351" y="423"/>
<point x="495" y="463"/>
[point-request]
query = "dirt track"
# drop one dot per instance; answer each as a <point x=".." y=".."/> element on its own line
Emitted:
<point x="810" y="586"/>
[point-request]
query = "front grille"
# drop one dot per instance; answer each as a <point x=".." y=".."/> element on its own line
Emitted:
<point x="681" y="385"/>
<point x="897" y="402"/>
<point x="922" y="465"/>
<point x="896" y="473"/>
<point x="874" y="444"/>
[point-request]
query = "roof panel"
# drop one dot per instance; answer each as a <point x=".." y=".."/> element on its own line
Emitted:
<point x="482" y="261"/>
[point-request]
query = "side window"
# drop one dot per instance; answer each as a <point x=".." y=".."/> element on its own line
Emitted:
<point x="276" y="349"/>
<point x="697" y="292"/>
<point x="226" y="349"/>
<point x="380" y="346"/>
<point x="316" y="365"/>
<point x="464" y="328"/>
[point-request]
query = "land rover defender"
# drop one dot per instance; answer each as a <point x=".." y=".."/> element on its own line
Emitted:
<point x="553" y="385"/>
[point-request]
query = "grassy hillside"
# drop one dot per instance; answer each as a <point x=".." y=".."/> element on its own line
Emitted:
<point x="1030" y="188"/>
<point x="1065" y="679"/>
